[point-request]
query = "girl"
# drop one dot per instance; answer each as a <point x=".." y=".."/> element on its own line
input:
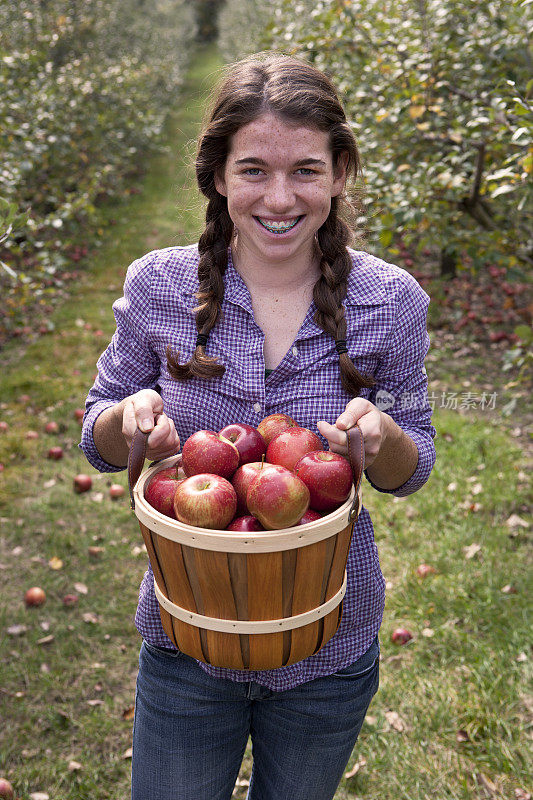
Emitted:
<point x="271" y="311"/>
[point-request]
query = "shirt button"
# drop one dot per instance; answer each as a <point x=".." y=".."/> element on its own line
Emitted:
<point x="257" y="407"/>
<point x="295" y="351"/>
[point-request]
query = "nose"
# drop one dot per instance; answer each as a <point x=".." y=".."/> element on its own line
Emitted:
<point x="279" y="194"/>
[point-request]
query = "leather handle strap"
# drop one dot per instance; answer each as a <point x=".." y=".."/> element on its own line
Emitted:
<point x="356" y="456"/>
<point x="136" y="458"/>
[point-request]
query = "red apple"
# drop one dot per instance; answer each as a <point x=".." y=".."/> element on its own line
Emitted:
<point x="247" y="440"/>
<point x="70" y="600"/>
<point x="51" y="427"/>
<point x="79" y="414"/>
<point x="116" y="490"/>
<point x="309" y="516"/>
<point x="246" y="524"/>
<point x="423" y="570"/>
<point x="32" y="435"/>
<point x="6" y="790"/>
<point x="401" y="636"/>
<point x="82" y="483"/>
<point x="209" y="452"/>
<point x="290" y="445"/>
<point x="35" y="596"/>
<point x="271" y="426"/>
<point x="162" y="487"/>
<point x="55" y="453"/>
<point x="328" y="477"/>
<point x="205" y="500"/>
<point x="241" y="483"/>
<point x="3" y="425"/>
<point x="277" y="497"/>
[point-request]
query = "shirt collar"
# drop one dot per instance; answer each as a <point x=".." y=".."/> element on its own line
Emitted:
<point x="364" y="288"/>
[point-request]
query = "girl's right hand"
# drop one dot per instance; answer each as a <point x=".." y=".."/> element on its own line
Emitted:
<point x="144" y="410"/>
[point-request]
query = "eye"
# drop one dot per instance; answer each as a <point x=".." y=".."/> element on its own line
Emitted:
<point x="252" y="171"/>
<point x="306" y="171"/>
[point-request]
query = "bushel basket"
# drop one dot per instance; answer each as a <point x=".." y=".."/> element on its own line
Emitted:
<point x="253" y="601"/>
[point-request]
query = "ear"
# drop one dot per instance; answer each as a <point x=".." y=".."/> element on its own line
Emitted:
<point x="220" y="183"/>
<point x="339" y="181"/>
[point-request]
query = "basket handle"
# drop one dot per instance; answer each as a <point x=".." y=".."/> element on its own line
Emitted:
<point x="356" y="456"/>
<point x="136" y="458"/>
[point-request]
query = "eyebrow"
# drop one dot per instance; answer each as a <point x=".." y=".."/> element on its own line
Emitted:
<point x="302" y="162"/>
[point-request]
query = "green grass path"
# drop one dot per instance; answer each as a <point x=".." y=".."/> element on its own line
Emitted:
<point x="450" y="719"/>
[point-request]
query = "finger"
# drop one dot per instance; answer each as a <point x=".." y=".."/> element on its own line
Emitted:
<point x="355" y="409"/>
<point x="164" y="435"/>
<point x="129" y="425"/>
<point x="146" y="408"/>
<point x="334" y="436"/>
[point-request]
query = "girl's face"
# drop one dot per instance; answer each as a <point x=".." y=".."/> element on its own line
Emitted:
<point x="279" y="181"/>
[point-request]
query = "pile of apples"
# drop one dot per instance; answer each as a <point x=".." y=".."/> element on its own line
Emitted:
<point x="251" y="479"/>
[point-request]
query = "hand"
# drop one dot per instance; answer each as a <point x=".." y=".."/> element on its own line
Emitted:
<point x="371" y="421"/>
<point x="144" y="410"/>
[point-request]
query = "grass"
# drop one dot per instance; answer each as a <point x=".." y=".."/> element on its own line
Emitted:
<point x="459" y="687"/>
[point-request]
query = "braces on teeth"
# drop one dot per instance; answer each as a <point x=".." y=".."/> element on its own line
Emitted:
<point x="278" y="227"/>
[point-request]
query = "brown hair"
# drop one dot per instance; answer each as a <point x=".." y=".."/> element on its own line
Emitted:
<point x="298" y="93"/>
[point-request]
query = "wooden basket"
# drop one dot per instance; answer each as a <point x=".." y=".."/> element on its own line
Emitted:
<point x="254" y="601"/>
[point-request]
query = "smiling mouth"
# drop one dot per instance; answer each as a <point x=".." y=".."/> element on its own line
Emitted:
<point x="279" y="227"/>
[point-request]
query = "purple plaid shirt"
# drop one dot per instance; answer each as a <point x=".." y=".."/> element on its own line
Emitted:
<point x="386" y="313"/>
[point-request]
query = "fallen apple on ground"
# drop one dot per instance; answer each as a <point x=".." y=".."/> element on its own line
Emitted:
<point x="162" y="487"/>
<point x="82" y="483"/>
<point x="401" y="636"/>
<point x="328" y="476"/>
<point x="277" y="497"/>
<point x="51" y="427"/>
<point x="70" y="600"/>
<point x="290" y="445"/>
<point x="35" y="596"/>
<point x="6" y="790"/>
<point x="116" y="491"/>
<point x="55" y="453"/>
<point x="206" y="501"/>
<point x="423" y="570"/>
<point x="209" y="452"/>
<point x="247" y="440"/>
<point x="271" y="426"/>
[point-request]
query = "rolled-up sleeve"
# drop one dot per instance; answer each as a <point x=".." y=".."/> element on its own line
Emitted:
<point x="401" y="388"/>
<point x="129" y="363"/>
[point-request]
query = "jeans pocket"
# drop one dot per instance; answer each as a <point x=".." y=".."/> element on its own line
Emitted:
<point x="364" y="665"/>
<point x="160" y="652"/>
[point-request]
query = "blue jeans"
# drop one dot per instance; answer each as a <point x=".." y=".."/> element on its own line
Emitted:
<point x="191" y="730"/>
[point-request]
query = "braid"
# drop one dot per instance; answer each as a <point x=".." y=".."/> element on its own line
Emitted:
<point x="213" y="248"/>
<point x="330" y="290"/>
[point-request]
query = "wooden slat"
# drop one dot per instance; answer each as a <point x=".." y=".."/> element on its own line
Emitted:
<point x="178" y="590"/>
<point x="308" y="581"/>
<point x="166" y="619"/>
<point x="212" y="571"/>
<point x="340" y="557"/>
<point x="331" y="623"/>
<point x="265" y="601"/>
<point x="288" y="571"/>
<point x="190" y="568"/>
<point x="239" y="583"/>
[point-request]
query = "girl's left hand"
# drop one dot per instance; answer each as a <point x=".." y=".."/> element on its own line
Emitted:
<point x="372" y="422"/>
